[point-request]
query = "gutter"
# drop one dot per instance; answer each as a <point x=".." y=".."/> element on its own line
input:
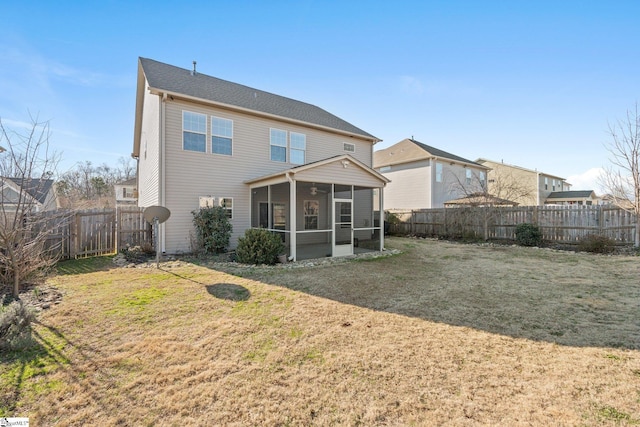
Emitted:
<point x="162" y="166"/>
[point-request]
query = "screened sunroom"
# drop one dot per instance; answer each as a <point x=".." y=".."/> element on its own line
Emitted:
<point x="323" y="209"/>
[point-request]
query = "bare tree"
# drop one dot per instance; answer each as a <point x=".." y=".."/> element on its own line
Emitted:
<point x="622" y="179"/>
<point x="486" y="197"/>
<point x="26" y="168"/>
<point x="87" y="185"/>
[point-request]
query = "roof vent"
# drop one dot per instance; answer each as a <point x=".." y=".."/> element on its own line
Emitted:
<point x="193" y="72"/>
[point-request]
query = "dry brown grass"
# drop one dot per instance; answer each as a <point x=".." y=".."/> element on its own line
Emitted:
<point x="443" y="334"/>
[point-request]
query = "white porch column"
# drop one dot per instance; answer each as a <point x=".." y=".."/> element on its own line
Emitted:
<point x="292" y="215"/>
<point x="381" y="207"/>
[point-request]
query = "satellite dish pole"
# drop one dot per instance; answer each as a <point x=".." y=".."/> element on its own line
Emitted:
<point x="156" y="215"/>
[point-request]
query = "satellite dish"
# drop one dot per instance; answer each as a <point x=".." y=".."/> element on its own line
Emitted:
<point x="160" y="213"/>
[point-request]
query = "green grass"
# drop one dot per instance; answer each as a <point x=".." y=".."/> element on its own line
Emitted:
<point x="23" y="376"/>
<point x="84" y="265"/>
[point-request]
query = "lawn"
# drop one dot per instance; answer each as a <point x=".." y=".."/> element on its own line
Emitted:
<point x="442" y="334"/>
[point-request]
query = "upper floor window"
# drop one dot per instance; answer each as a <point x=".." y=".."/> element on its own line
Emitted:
<point x="469" y="176"/>
<point x="546" y="183"/>
<point x="553" y="183"/>
<point x="438" y="172"/>
<point x="221" y="136"/>
<point x="278" y="141"/>
<point x="483" y="180"/>
<point x="194" y="131"/>
<point x="298" y="143"/>
<point x="348" y="147"/>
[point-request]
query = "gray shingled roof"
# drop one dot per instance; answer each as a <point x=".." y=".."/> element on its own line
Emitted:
<point x="177" y="80"/>
<point x="442" y="154"/>
<point x="36" y="188"/>
<point x="570" y="194"/>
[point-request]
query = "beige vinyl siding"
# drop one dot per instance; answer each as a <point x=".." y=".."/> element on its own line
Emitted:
<point x="192" y="174"/>
<point x="530" y="183"/>
<point x="409" y="187"/>
<point x="149" y="160"/>
<point x="453" y="183"/>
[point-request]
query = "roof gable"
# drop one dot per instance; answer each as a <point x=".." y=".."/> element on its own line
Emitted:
<point x="345" y="159"/>
<point x="409" y="150"/>
<point x="171" y="79"/>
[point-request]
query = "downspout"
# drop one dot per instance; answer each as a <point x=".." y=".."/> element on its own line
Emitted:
<point x="538" y="188"/>
<point x="292" y="216"/>
<point x="162" y="166"/>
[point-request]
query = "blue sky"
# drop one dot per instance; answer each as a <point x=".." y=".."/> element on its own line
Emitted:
<point x="532" y="83"/>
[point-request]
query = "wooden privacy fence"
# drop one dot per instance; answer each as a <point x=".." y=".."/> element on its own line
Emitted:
<point x="79" y="234"/>
<point x="563" y="224"/>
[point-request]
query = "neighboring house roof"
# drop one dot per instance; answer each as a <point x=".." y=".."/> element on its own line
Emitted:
<point x="482" y="161"/>
<point x="129" y="182"/>
<point x="165" y="78"/>
<point x="584" y="194"/>
<point x="36" y="188"/>
<point x="410" y="150"/>
<point x="481" y="199"/>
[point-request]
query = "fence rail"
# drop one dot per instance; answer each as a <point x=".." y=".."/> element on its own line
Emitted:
<point x="79" y="234"/>
<point x="562" y="224"/>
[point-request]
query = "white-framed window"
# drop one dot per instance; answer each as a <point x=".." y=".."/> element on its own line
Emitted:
<point x="194" y="131"/>
<point x="553" y="184"/>
<point x="278" y="142"/>
<point x="546" y="183"/>
<point x="349" y="147"/>
<point x="469" y="176"/>
<point x="298" y="147"/>
<point x="227" y="204"/>
<point x="483" y="180"/>
<point x="221" y="136"/>
<point x="438" y="172"/>
<point x="311" y="211"/>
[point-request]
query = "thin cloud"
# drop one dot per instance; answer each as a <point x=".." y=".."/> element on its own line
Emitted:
<point x="588" y="180"/>
<point x="411" y="85"/>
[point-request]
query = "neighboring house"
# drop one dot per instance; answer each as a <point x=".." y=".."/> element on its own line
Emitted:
<point x="269" y="161"/>
<point x="426" y="177"/>
<point x="524" y="186"/>
<point x="126" y="193"/>
<point x="38" y="195"/>
<point x="586" y="197"/>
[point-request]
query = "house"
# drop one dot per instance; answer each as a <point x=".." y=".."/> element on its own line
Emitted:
<point x="524" y="186"/>
<point x="126" y="193"/>
<point x="269" y="161"/>
<point x="423" y="177"/>
<point x="35" y="195"/>
<point x="585" y="197"/>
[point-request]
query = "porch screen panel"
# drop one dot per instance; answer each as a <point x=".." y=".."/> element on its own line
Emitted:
<point x="366" y="228"/>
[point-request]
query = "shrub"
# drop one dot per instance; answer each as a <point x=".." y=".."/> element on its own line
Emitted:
<point x="259" y="246"/>
<point x="528" y="234"/>
<point x="15" y="326"/>
<point x="597" y="244"/>
<point x="213" y="229"/>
